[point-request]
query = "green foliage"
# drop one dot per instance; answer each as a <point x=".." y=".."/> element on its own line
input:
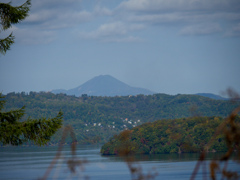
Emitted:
<point x="11" y="15"/>
<point x="15" y="132"/>
<point x="96" y="119"/>
<point x="171" y="136"/>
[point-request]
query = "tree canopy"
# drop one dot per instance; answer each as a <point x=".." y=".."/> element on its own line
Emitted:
<point x="171" y="136"/>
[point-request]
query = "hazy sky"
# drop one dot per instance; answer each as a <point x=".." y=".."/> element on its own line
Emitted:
<point x="167" y="46"/>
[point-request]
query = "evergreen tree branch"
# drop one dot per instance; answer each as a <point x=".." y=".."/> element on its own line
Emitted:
<point x="14" y="132"/>
<point x="37" y="130"/>
<point x="12" y="116"/>
<point x="6" y="43"/>
<point x="11" y="15"/>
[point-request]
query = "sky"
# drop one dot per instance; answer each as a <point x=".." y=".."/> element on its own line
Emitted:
<point x="166" y="46"/>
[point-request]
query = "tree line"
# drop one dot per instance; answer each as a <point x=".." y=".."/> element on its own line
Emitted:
<point x="96" y="119"/>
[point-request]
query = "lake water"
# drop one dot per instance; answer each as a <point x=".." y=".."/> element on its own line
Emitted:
<point x="32" y="163"/>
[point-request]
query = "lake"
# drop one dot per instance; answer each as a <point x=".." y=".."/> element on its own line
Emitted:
<point x="32" y="162"/>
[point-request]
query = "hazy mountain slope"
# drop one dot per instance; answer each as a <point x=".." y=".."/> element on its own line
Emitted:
<point x="212" y="96"/>
<point x="104" y="85"/>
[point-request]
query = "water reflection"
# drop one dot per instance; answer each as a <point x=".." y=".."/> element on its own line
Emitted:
<point x="173" y="157"/>
<point x="32" y="162"/>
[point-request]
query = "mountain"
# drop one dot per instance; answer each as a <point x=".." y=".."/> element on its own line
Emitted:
<point x="104" y="85"/>
<point x="212" y="96"/>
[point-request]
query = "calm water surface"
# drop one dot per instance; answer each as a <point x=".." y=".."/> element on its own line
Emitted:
<point x="32" y="162"/>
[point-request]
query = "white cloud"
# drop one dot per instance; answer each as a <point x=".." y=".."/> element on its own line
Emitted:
<point x="114" y="32"/>
<point x="183" y="17"/>
<point x="237" y="28"/>
<point x="102" y="11"/>
<point x="201" y="29"/>
<point x="123" y="39"/>
<point x="58" y="17"/>
<point x="188" y="16"/>
<point x="40" y="17"/>
<point x="47" y="18"/>
<point x="120" y="23"/>
<point x="34" y="36"/>
<point x="55" y="4"/>
<point x="234" y="31"/>
<point x="156" y="5"/>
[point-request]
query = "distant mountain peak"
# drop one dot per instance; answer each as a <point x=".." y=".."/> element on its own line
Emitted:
<point x="104" y="85"/>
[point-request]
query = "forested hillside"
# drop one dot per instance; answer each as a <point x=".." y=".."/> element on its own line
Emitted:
<point x="169" y="136"/>
<point x="96" y="119"/>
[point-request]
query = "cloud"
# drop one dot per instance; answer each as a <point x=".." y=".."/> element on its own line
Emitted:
<point x="47" y="18"/>
<point x="234" y="31"/>
<point x="30" y="37"/>
<point x="163" y="5"/>
<point x="102" y="11"/>
<point x="34" y="36"/>
<point x="57" y="14"/>
<point x="182" y="17"/>
<point x="126" y="39"/>
<point x="121" y="20"/>
<point x="56" y="20"/>
<point x="195" y="17"/>
<point x="55" y="4"/>
<point x="201" y="29"/>
<point x="114" y="32"/>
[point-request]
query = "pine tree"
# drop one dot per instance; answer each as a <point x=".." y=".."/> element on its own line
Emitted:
<point x="11" y="15"/>
<point x="15" y="132"/>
